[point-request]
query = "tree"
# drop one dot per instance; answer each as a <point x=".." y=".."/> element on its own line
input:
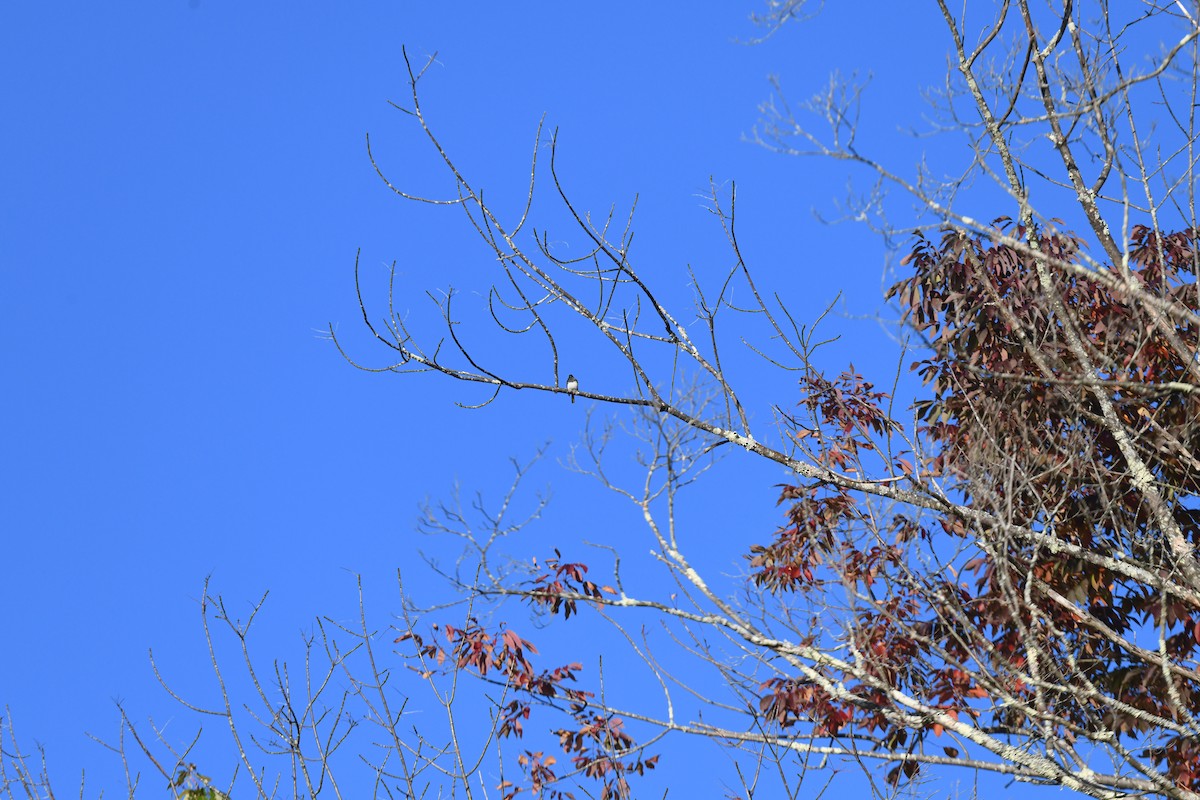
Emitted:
<point x="1000" y="579"/>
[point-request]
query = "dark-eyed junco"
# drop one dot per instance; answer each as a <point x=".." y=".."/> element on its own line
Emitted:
<point x="572" y="386"/>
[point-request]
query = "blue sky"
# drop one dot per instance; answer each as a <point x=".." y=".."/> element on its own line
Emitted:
<point x="185" y="190"/>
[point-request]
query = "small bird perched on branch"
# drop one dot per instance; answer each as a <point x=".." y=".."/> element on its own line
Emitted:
<point x="572" y="387"/>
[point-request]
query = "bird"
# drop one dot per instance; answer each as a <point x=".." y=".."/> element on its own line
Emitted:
<point x="572" y="387"/>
